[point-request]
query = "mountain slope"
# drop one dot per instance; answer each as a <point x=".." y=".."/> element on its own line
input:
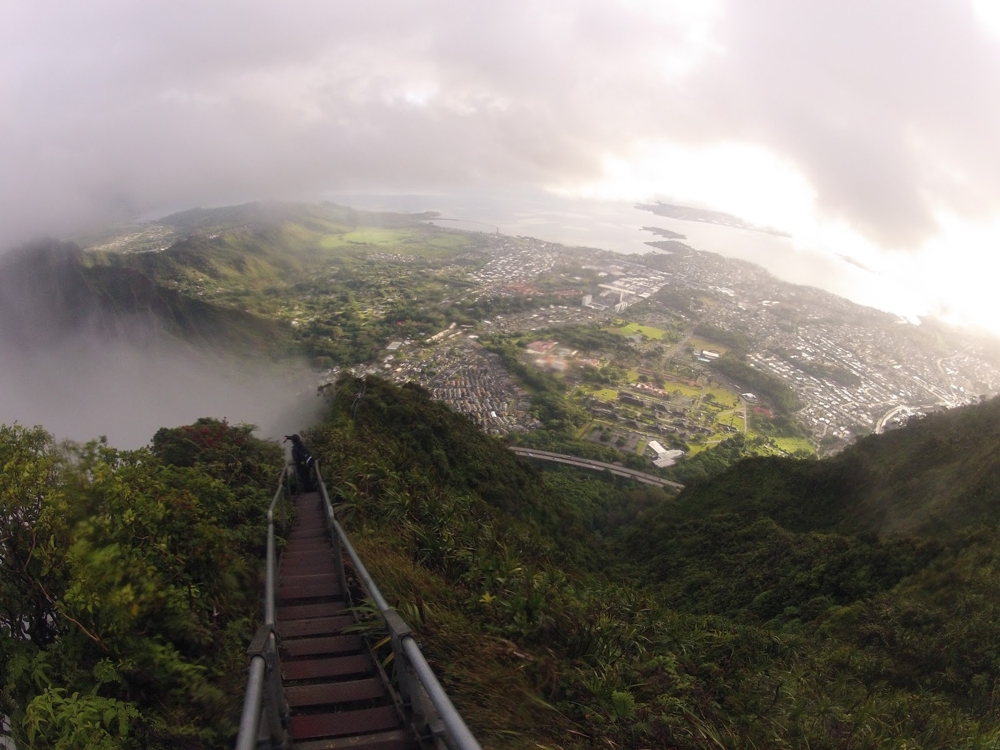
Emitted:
<point x="784" y="604"/>
<point x="49" y="292"/>
<point x="934" y="477"/>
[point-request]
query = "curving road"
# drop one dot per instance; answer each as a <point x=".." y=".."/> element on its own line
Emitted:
<point x="880" y="424"/>
<point x="586" y="463"/>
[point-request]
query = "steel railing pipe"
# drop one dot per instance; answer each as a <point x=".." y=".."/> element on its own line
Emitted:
<point x="253" y="703"/>
<point x="458" y="734"/>
<point x="252" y="706"/>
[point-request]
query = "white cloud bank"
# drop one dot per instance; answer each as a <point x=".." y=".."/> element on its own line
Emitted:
<point x="866" y="128"/>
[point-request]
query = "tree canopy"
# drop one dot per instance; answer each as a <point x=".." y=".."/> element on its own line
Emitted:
<point x="128" y="585"/>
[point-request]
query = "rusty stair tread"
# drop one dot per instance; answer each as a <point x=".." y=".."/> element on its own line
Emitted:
<point x="328" y="644"/>
<point x="343" y="723"/>
<point x="335" y="692"/>
<point x="320" y="554"/>
<point x="296" y="570"/>
<point x="297" y="567"/>
<point x="306" y="591"/>
<point x="396" y="739"/>
<point x="308" y="611"/>
<point x="331" y="666"/>
<point x="308" y="579"/>
<point x="314" y="626"/>
<point x="303" y="549"/>
<point x="309" y="533"/>
<point x="308" y="547"/>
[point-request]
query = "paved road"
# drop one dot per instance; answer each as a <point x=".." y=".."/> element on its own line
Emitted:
<point x="586" y="463"/>
<point x="880" y="424"/>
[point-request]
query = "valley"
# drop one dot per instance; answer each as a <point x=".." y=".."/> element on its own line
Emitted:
<point x="681" y="349"/>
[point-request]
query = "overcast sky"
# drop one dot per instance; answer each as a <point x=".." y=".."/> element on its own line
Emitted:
<point x="866" y="128"/>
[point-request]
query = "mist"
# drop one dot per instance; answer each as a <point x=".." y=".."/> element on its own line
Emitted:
<point x="85" y="387"/>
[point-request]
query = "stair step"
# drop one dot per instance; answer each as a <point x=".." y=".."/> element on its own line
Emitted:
<point x="334" y="692"/>
<point x="308" y="590"/>
<point x="307" y="611"/>
<point x="302" y="551"/>
<point x="307" y="533"/>
<point x="307" y="548"/>
<point x="331" y="666"/>
<point x="397" y="739"/>
<point x="315" y="557"/>
<point x="344" y="722"/>
<point x="314" y="626"/>
<point x="330" y="644"/>
<point x="295" y="570"/>
<point x="308" y="579"/>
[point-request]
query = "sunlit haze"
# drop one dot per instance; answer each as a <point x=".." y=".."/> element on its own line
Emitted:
<point x="865" y="130"/>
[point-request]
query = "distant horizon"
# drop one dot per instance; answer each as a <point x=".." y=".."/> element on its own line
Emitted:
<point x="618" y="227"/>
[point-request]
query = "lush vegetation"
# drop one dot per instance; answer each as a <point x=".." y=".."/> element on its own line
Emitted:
<point x="849" y="602"/>
<point x="781" y="603"/>
<point x="729" y="339"/>
<point x="769" y="387"/>
<point x="129" y="585"/>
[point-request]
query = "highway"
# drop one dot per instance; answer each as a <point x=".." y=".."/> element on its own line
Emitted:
<point x="880" y="425"/>
<point x="586" y="463"/>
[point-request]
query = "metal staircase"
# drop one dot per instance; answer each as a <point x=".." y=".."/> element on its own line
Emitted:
<point x="314" y="683"/>
<point x="330" y="682"/>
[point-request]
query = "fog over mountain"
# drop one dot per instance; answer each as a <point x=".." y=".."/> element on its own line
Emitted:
<point x="87" y="386"/>
<point x="88" y="352"/>
<point x="866" y="131"/>
<point x="885" y="112"/>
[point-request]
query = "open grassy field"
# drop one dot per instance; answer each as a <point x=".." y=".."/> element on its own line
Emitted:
<point x="722" y="396"/>
<point x="426" y="243"/>
<point x="605" y="394"/>
<point x="790" y="445"/>
<point x="698" y="343"/>
<point x="736" y="421"/>
<point x="632" y="329"/>
<point x="686" y="390"/>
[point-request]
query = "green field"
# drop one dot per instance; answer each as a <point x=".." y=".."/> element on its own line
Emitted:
<point x="723" y="397"/>
<point x="686" y="390"/>
<point x="790" y="445"/>
<point x="426" y="243"/>
<point x="697" y="344"/>
<point x="631" y="329"/>
<point x="605" y="394"/>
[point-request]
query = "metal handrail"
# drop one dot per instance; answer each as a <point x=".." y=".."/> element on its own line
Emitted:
<point x="264" y="681"/>
<point x="424" y="696"/>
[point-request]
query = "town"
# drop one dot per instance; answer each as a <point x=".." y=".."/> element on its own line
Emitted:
<point x="680" y="318"/>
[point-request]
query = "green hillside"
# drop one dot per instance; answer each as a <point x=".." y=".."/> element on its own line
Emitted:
<point x="939" y="475"/>
<point x="320" y="280"/>
<point x="827" y="604"/>
<point x="338" y="283"/>
<point x="782" y="604"/>
<point x="50" y="291"/>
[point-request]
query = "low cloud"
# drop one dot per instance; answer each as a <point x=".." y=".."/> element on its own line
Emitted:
<point x="114" y="108"/>
<point x="84" y="387"/>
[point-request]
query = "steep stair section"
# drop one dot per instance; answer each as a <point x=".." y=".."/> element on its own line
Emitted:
<point x="336" y="695"/>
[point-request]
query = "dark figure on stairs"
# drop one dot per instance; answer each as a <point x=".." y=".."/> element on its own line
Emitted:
<point x="303" y="461"/>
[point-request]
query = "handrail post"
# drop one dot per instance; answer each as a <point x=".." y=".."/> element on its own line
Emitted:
<point x="265" y="667"/>
<point x="425" y="701"/>
<point x="264" y="695"/>
<point x="275" y="701"/>
<point x="338" y="550"/>
<point x="398" y="630"/>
